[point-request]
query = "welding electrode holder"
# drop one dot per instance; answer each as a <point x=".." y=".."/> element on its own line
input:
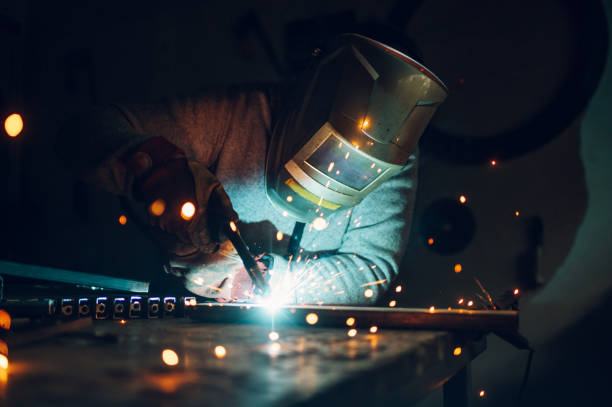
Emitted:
<point x="250" y="264"/>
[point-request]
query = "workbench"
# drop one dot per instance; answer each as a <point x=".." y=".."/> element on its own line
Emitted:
<point x="119" y="363"/>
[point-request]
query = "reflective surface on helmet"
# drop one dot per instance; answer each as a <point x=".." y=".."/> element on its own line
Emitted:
<point x="354" y="170"/>
<point x="353" y="122"/>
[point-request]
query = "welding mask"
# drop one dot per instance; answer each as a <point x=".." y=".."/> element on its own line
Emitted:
<point x="353" y="122"/>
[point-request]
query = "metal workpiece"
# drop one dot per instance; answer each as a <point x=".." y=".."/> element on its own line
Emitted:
<point x="88" y="280"/>
<point x="329" y="315"/>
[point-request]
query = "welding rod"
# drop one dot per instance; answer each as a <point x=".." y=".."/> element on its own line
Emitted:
<point x="250" y="264"/>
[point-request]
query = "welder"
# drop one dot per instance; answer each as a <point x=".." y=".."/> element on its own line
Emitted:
<point x="320" y="180"/>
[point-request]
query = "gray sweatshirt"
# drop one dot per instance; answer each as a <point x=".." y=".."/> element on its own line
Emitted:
<point x="352" y="261"/>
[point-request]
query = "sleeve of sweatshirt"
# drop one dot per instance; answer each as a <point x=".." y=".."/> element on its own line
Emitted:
<point x="91" y="143"/>
<point x="369" y="256"/>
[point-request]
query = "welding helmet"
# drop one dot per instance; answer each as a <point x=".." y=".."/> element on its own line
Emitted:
<point x="354" y="120"/>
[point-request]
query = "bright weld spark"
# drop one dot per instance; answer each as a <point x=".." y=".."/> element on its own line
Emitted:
<point x="398" y="289"/>
<point x="346" y="156"/>
<point x="169" y="357"/>
<point x="188" y="210"/>
<point x="470" y="303"/>
<point x="374" y="282"/>
<point x="432" y="309"/>
<point x="220" y="352"/>
<point x="463" y="199"/>
<point x="279" y="235"/>
<point x="350" y="321"/>
<point x="4" y="362"/>
<point x="352" y="332"/>
<point x="516" y="291"/>
<point x="373" y="329"/>
<point x="392" y="303"/>
<point x="273" y="336"/>
<point x="331" y="167"/>
<point x="481" y="393"/>
<point x="289" y="198"/>
<point x="460" y="301"/>
<point x="379" y="170"/>
<point x="368" y="293"/>
<point x="312" y="318"/>
<point x="319" y="223"/>
<point x="233" y="226"/>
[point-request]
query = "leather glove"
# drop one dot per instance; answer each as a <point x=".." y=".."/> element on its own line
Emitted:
<point x="185" y="200"/>
<point x="221" y="276"/>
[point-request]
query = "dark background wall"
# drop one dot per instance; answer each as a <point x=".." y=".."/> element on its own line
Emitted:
<point x="529" y="88"/>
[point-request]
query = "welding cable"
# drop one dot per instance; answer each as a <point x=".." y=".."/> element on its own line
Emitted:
<point x="296" y="238"/>
<point x="525" y="377"/>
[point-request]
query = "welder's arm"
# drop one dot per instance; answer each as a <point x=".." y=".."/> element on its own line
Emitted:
<point x="371" y="251"/>
<point x="145" y="152"/>
<point x="92" y="143"/>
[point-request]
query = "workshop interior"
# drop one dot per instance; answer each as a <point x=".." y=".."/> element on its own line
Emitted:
<point x="502" y="288"/>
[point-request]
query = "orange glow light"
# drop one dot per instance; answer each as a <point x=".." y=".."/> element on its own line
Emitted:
<point x="482" y="393"/>
<point x="13" y="125"/>
<point x="364" y="123"/>
<point x="432" y="309"/>
<point x="312" y="318"/>
<point x="122" y="220"/>
<point x="5" y="320"/>
<point x="122" y="321"/>
<point x="352" y="332"/>
<point x="350" y="321"/>
<point x="517" y="213"/>
<point x="158" y="207"/>
<point x="462" y="199"/>
<point x="3" y="362"/>
<point x="220" y="352"/>
<point x="430" y="241"/>
<point x="373" y="329"/>
<point x="493" y="163"/>
<point x="170" y="357"/>
<point x="279" y="235"/>
<point x="188" y="210"/>
<point x="368" y="293"/>
<point x="458" y="268"/>
<point x="392" y="303"/>
<point x="233" y="226"/>
<point x="457" y="351"/>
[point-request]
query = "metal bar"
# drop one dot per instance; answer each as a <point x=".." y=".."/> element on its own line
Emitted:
<point x="414" y="318"/>
<point x="72" y="277"/>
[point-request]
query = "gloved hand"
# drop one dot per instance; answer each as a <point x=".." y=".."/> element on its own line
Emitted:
<point x="221" y="275"/>
<point x="185" y="200"/>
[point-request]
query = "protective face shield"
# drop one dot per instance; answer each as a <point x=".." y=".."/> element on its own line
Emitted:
<point x="357" y="118"/>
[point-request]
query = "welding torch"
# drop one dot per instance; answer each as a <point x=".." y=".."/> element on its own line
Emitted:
<point x="249" y="262"/>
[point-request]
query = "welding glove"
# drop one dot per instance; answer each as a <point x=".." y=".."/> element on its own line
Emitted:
<point x="222" y="275"/>
<point x="185" y="201"/>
